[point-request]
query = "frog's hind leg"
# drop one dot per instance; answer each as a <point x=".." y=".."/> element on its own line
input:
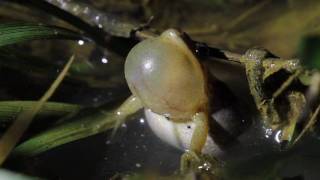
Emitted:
<point x="128" y="107"/>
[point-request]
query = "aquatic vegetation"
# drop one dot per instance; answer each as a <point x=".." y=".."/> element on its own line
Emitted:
<point x="218" y="109"/>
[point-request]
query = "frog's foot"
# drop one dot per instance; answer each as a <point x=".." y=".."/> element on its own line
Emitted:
<point x="193" y="162"/>
<point x="189" y="161"/>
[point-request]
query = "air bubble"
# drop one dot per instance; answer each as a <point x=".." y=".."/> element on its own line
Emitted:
<point x="268" y="133"/>
<point x="141" y="120"/>
<point x="277" y="137"/>
<point x="104" y="60"/>
<point x="80" y="42"/>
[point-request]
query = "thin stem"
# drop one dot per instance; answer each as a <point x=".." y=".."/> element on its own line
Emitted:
<point x="20" y="125"/>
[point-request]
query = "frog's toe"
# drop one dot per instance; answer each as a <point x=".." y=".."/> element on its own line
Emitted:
<point x="191" y="161"/>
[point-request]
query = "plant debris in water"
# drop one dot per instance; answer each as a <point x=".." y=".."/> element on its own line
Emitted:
<point x="282" y="94"/>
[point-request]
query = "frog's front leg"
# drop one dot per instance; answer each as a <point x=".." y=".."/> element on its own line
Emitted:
<point x="131" y="105"/>
<point x="192" y="158"/>
<point x="253" y="61"/>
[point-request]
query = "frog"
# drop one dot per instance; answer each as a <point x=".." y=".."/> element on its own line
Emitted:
<point x="167" y="79"/>
<point x="181" y="98"/>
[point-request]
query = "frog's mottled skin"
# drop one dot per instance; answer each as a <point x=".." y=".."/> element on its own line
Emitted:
<point x="262" y="66"/>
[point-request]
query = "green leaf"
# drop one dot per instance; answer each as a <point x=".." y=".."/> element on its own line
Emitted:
<point x="9" y="110"/>
<point x="310" y="52"/>
<point x="12" y="33"/>
<point x="88" y="123"/>
<point x="13" y="134"/>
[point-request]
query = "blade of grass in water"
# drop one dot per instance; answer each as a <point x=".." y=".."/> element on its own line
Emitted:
<point x="12" y="33"/>
<point x="89" y="124"/>
<point x="16" y="130"/>
<point x="10" y="109"/>
<point x="83" y="126"/>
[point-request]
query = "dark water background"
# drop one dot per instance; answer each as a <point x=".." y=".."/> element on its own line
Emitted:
<point x="136" y="148"/>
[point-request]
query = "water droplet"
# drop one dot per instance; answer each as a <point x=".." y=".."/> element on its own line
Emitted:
<point x="138" y="165"/>
<point x="80" y="42"/>
<point x="76" y="8"/>
<point x="277" y="137"/>
<point x="86" y="10"/>
<point x="148" y="65"/>
<point x="108" y="142"/>
<point x="124" y="125"/>
<point x="268" y="133"/>
<point x="104" y="60"/>
<point x="205" y="166"/>
<point x="141" y="120"/>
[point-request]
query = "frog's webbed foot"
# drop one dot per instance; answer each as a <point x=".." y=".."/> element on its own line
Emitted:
<point x="194" y="162"/>
<point x="189" y="160"/>
<point x="128" y="107"/>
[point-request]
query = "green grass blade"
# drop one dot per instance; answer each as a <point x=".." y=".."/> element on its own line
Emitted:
<point x="84" y="126"/>
<point x="16" y="130"/>
<point x="10" y="109"/>
<point x="12" y="33"/>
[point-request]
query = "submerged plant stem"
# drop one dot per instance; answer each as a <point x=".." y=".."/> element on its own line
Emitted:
<point x="20" y="125"/>
<point x="10" y="109"/>
<point x="81" y="127"/>
<point x="88" y="125"/>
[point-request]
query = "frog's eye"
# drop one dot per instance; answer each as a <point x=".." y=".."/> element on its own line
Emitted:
<point x="166" y="76"/>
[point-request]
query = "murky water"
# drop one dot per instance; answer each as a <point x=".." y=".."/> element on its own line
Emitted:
<point x="97" y="79"/>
